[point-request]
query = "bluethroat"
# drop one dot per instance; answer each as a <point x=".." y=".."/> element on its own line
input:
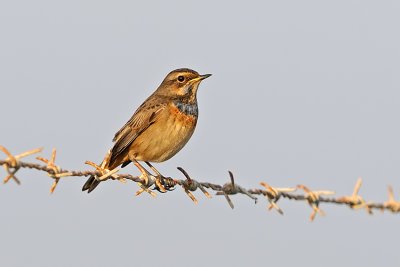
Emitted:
<point x="160" y="127"/>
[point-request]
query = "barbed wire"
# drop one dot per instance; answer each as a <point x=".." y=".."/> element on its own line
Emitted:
<point x="146" y="181"/>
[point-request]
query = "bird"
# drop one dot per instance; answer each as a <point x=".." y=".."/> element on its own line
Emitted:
<point x="160" y="127"/>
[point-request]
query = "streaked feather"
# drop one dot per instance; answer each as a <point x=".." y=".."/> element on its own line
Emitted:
<point x="145" y="116"/>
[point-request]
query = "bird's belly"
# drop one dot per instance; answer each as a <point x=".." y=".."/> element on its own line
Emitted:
<point x="164" y="138"/>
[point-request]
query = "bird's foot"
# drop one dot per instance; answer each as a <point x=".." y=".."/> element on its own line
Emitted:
<point x="162" y="184"/>
<point x="147" y="180"/>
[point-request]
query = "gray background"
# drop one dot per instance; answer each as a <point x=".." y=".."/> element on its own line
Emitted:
<point x="302" y="92"/>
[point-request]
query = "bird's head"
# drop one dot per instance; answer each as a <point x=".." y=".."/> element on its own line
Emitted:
<point x="181" y="82"/>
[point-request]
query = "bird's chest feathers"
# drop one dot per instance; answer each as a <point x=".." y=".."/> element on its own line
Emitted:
<point x="179" y="125"/>
<point x="188" y="109"/>
<point x="168" y="134"/>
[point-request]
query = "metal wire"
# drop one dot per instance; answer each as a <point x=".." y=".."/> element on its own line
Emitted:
<point x="148" y="182"/>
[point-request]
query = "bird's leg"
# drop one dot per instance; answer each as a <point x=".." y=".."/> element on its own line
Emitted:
<point x="159" y="177"/>
<point x="145" y="174"/>
<point x="148" y="178"/>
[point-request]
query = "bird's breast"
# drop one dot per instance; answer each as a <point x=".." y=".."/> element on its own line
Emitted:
<point x="189" y="109"/>
<point x="167" y="135"/>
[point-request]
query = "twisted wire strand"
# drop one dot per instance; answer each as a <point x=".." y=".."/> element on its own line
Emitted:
<point x="314" y="198"/>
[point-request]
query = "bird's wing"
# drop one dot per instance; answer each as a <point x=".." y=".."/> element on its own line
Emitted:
<point x="145" y="116"/>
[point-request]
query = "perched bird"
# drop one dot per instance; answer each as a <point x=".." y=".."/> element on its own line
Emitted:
<point x="160" y="127"/>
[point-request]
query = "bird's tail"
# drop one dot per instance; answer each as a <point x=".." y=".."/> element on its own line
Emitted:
<point x="92" y="182"/>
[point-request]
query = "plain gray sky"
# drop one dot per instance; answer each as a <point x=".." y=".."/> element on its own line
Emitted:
<point x="302" y="92"/>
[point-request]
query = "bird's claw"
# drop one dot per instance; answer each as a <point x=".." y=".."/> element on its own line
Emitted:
<point x="163" y="184"/>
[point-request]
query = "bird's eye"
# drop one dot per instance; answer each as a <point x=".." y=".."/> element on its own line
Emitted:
<point x="181" y="78"/>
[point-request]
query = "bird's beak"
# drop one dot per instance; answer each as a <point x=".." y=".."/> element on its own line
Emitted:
<point x="205" y="76"/>
<point x="200" y="78"/>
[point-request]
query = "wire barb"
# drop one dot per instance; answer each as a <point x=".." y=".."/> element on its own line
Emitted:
<point x="191" y="185"/>
<point x="355" y="201"/>
<point x="273" y="195"/>
<point x="105" y="173"/>
<point x="232" y="189"/>
<point x="313" y="199"/>
<point x="12" y="163"/>
<point x="57" y="174"/>
<point x="392" y="204"/>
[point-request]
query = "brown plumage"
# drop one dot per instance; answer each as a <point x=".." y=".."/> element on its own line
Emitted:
<point x="161" y="126"/>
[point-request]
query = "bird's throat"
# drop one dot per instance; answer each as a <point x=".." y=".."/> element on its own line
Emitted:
<point x="187" y="108"/>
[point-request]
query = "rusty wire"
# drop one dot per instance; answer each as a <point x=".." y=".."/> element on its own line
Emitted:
<point x="313" y="197"/>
